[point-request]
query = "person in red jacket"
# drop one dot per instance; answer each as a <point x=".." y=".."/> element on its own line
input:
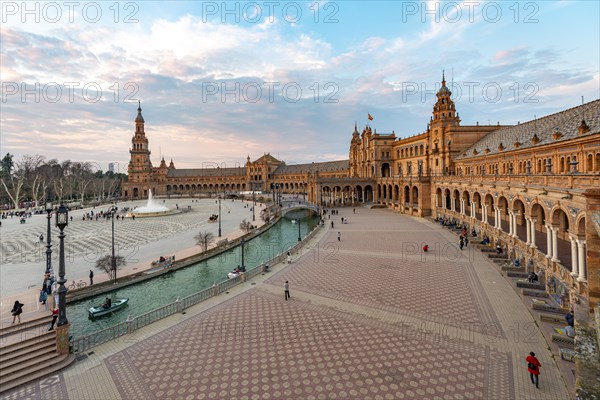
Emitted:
<point x="533" y="367"/>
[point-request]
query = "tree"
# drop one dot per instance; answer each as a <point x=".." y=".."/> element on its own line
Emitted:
<point x="105" y="264"/>
<point x="246" y="226"/>
<point x="204" y="239"/>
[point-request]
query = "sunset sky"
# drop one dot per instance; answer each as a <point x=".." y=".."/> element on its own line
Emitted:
<point x="220" y="81"/>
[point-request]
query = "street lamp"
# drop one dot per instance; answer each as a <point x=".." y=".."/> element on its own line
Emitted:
<point x="49" y="208"/>
<point x="243" y="241"/>
<point x="219" y="217"/>
<point x="113" y="260"/>
<point x="62" y="218"/>
<point x="298" y="222"/>
<point x="253" y="203"/>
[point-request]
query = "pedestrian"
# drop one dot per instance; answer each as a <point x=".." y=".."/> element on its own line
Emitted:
<point x="461" y="243"/>
<point x="533" y="367"/>
<point x="44" y="296"/>
<point x="331" y="224"/>
<point x="339" y="237"/>
<point x="570" y="318"/>
<point x="289" y="258"/>
<point x="466" y="240"/>
<point x="16" y="311"/>
<point x="54" y="318"/>
<point x="354" y="210"/>
<point x="91" y="277"/>
<point x="41" y="238"/>
<point x="286" y="290"/>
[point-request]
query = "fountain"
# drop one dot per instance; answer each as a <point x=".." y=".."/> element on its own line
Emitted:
<point x="151" y="209"/>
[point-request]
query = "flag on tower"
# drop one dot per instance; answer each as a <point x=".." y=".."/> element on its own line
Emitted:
<point x="370" y="117"/>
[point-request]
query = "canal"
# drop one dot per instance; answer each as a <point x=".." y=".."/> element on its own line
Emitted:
<point x="154" y="293"/>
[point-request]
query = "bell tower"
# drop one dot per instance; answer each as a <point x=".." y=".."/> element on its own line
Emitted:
<point x="140" y="166"/>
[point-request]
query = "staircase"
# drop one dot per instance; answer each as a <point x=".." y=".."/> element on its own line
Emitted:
<point x="28" y="352"/>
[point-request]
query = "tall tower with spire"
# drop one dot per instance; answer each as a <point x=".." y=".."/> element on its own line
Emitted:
<point x="441" y="126"/>
<point x="140" y="166"/>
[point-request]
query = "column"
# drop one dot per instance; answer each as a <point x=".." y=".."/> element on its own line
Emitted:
<point x="549" y="241"/>
<point x="554" y="244"/>
<point x="510" y="223"/>
<point x="472" y="209"/>
<point x="574" y="258"/>
<point x="453" y="203"/>
<point x="581" y="261"/>
<point x="498" y="218"/>
<point x="462" y="206"/>
<point x="532" y="225"/>
<point x="514" y="223"/>
<point x="528" y="230"/>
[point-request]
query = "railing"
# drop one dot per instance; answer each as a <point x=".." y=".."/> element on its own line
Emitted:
<point x="82" y="344"/>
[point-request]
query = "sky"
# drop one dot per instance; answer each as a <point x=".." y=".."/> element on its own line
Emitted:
<point x="219" y="81"/>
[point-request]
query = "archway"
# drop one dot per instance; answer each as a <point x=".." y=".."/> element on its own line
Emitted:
<point x="415" y="197"/>
<point x="560" y="220"/>
<point x="490" y="210"/>
<point x="521" y="225"/>
<point x="385" y="170"/>
<point x="503" y="213"/>
<point x="538" y="218"/>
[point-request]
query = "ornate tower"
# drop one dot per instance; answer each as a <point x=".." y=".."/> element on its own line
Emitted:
<point x="444" y="118"/>
<point x="140" y="166"/>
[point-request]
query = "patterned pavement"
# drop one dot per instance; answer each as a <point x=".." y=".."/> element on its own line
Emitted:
<point x="367" y="319"/>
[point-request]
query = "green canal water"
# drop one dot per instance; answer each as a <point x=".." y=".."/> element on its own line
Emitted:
<point x="154" y="293"/>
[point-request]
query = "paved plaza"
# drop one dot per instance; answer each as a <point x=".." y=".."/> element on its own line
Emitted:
<point x="370" y="317"/>
<point x="24" y="257"/>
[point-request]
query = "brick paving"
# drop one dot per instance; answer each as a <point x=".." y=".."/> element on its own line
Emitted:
<point x="367" y="319"/>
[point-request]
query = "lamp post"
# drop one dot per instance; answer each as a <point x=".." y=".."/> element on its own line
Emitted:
<point x="49" y="208"/>
<point x="219" y="217"/>
<point x="298" y="222"/>
<point x="253" y="203"/>
<point x="62" y="218"/>
<point x="113" y="260"/>
<point x="243" y="242"/>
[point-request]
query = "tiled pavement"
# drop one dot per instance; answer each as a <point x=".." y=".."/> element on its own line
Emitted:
<point x="368" y="318"/>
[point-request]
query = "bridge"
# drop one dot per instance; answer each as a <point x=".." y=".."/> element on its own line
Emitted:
<point x="289" y="205"/>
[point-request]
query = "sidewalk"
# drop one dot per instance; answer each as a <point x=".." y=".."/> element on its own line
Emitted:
<point x="368" y="317"/>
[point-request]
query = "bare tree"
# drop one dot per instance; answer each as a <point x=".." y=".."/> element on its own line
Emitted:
<point x="204" y="239"/>
<point x="246" y="226"/>
<point x="12" y="180"/>
<point x="105" y="264"/>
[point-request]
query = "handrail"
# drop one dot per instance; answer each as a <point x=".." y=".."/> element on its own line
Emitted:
<point x="84" y="343"/>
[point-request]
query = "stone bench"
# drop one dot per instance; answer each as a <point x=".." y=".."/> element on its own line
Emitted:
<point x="567" y="354"/>
<point x="517" y="274"/>
<point x="501" y="256"/>
<point x="534" y="293"/>
<point x="485" y="248"/>
<point x="539" y="306"/>
<point x="512" y="268"/>
<point x="563" y="339"/>
<point x="553" y="318"/>
<point x="528" y="285"/>
<point x="222" y="242"/>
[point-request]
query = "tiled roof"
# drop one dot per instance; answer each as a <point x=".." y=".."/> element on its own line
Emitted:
<point x="342" y="165"/>
<point x="199" y="172"/>
<point x="268" y="158"/>
<point x="566" y="123"/>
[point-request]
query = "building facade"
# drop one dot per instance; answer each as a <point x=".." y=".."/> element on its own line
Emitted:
<point x="534" y="187"/>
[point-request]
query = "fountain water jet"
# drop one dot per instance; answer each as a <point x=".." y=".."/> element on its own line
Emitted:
<point x="151" y="209"/>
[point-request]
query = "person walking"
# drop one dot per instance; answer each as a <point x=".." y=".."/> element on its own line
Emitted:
<point x="54" y="318"/>
<point x="461" y="244"/>
<point x="331" y="224"/>
<point x="339" y="236"/>
<point x="289" y="258"/>
<point x="44" y="296"/>
<point x="16" y="311"/>
<point x="286" y="290"/>
<point x="91" y="277"/>
<point x="533" y="367"/>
